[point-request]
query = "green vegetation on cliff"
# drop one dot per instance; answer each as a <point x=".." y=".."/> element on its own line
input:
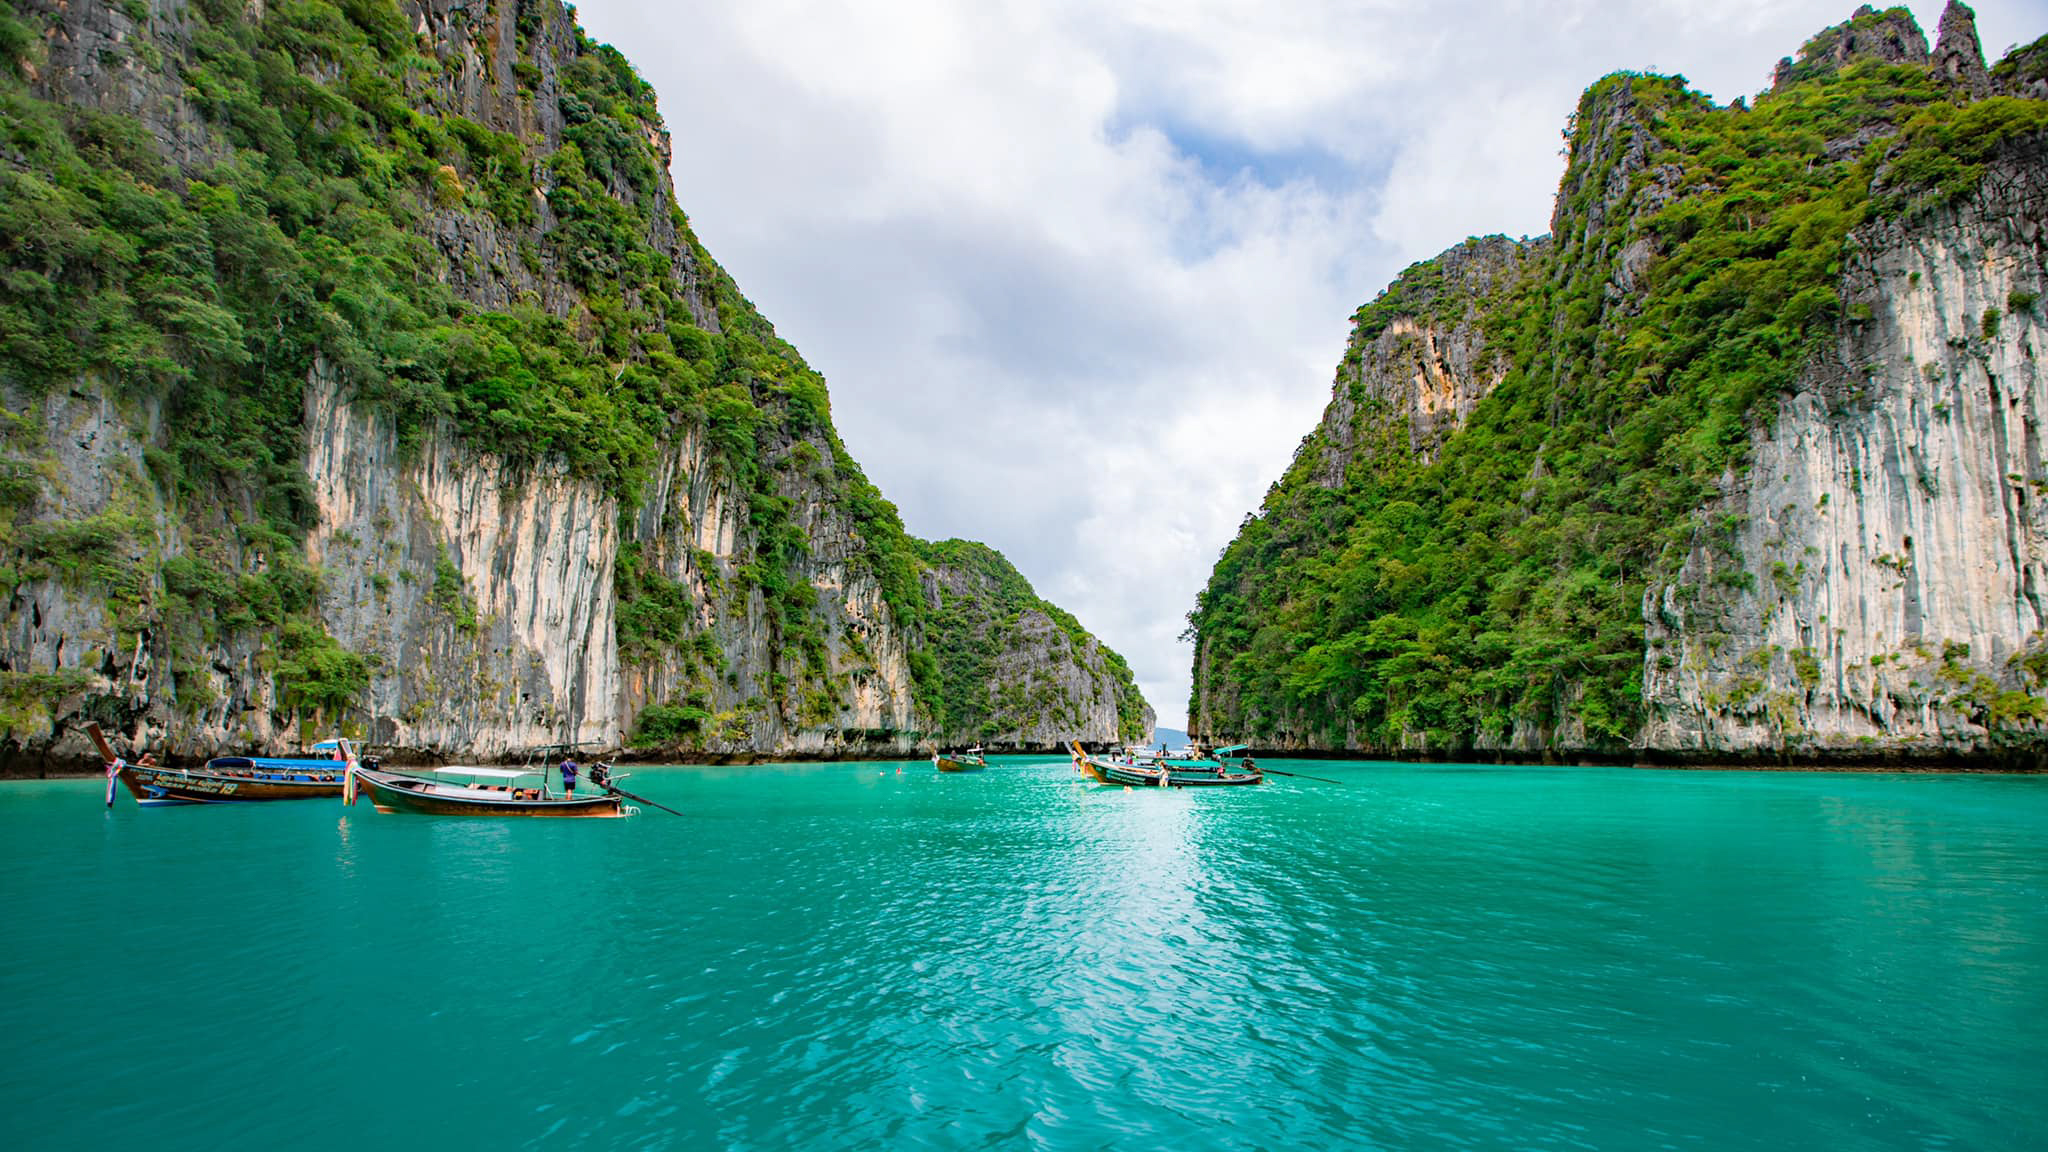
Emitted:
<point x="300" y="231"/>
<point x="1498" y="587"/>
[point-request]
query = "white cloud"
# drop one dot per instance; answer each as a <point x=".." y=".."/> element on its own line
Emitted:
<point x="1078" y="272"/>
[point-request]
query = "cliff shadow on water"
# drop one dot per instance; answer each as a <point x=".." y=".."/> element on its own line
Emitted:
<point x="362" y="375"/>
<point x="1740" y="465"/>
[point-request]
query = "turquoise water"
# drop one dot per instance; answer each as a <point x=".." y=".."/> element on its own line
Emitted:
<point x="847" y="956"/>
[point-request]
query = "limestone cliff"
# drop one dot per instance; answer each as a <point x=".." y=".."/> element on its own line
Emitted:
<point x="996" y="633"/>
<point x="1879" y="586"/>
<point x="361" y="372"/>
<point x="1741" y="463"/>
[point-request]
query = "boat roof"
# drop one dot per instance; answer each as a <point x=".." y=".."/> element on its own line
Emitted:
<point x="326" y="744"/>
<point x="487" y="773"/>
<point x="1233" y="748"/>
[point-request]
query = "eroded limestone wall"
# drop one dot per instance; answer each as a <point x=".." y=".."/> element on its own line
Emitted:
<point x="1880" y="565"/>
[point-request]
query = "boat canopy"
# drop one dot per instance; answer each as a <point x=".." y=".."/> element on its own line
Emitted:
<point x="327" y="746"/>
<point x="1233" y="748"/>
<point x="486" y="773"/>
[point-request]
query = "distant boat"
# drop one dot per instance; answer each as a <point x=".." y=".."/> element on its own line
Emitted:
<point x="969" y="761"/>
<point x="480" y="792"/>
<point x="225" y="779"/>
<point x="1163" y="773"/>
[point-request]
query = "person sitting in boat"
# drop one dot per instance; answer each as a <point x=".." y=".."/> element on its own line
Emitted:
<point x="568" y="777"/>
<point x="146" y="760"/>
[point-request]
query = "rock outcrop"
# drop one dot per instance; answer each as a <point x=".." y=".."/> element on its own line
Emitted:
<point x="1888" y="37"/>
<point x="1958" y="54"/>
<point x="1418" y="358"/>
<point x="2023" y="73"/>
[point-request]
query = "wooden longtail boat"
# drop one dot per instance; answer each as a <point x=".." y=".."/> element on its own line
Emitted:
<point x="224" y="780"/>
<point x="155" y="787"/>
<point x="969" y="761"/>
<point x="1160" y="774"/>
<point x="398" y="792"/>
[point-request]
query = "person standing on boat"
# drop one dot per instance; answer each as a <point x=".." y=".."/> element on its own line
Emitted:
<point x="568" y="776"/>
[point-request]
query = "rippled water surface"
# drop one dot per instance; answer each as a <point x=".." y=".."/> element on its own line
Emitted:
<point x="876" y="956"/>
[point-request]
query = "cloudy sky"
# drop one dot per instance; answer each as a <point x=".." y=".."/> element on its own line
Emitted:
<point x="1079" y="271"/>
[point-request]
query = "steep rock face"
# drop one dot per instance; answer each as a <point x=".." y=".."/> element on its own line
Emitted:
<point x="69" y="625"/>
<point x="463" y="581"/>
<point x="693" y="530"/>
<point x="91" y="60"/>
<point x="1882" y="590"/>
<point x="690" y="561"/>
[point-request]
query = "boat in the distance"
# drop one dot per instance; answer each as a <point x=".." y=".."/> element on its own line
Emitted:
<point x="969" y="761"/>
<point x="225" y="779"/>
<point x="1132" y="772"/>
<point x="468" y="791"/>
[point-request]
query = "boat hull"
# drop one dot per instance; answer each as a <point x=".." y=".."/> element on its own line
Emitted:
<point x="390" y="792"/>
<point x="1216" y="779"/>
<point x="155" y="787"/>
<point x="949" y="764"/>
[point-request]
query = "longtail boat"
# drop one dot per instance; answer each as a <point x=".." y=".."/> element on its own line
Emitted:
<point x="1132" y="773"/>
<point x="224" y="780"/>
<point x="1191" y="757"/>
<point x="969" y="761"/>
<point x="479" y="792"/>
